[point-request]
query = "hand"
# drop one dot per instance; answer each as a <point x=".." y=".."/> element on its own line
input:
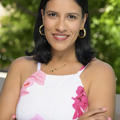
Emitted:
<point x="95" y="114"/>
<point x="13" y="117"/>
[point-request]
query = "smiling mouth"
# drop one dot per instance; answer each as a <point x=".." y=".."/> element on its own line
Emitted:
<point x="60" y="37"/>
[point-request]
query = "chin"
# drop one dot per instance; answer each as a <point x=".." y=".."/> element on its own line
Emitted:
<point x="59" y="49"/>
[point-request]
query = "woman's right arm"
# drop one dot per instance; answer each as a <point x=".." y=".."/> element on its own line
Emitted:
<point x="10" y="92"/>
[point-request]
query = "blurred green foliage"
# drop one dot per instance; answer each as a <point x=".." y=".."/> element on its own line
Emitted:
<point x="16" y="32"/>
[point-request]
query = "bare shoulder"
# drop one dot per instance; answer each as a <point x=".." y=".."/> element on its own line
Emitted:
<point x="22" y="67"/>
<point x="98" y="73"/>
<point x="22" y="61"/>
<point x="98" y="68"/>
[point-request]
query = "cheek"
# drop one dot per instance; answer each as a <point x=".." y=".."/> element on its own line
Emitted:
<point x="48" y="24"/>
<point x="74" y="28"/>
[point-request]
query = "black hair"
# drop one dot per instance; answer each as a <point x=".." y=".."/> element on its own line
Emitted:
<point x="42" y="50"/>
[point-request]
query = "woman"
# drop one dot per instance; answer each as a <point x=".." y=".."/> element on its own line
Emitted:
<point x="62" y="79"/>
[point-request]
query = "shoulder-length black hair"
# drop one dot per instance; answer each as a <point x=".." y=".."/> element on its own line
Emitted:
<point x="42" y="50"/>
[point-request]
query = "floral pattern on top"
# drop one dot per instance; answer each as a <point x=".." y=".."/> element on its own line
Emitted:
<point x="82" y="67"/>
<point x="38" y="77"/>
<point x="80" y="102"/>
<point x="37" y="117"/>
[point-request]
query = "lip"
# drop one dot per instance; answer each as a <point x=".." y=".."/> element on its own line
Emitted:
<point x="60" y="37"/>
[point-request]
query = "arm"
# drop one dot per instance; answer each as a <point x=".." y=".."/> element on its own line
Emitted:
<point x="102" y="89"/>
<point x="10" y="92"/>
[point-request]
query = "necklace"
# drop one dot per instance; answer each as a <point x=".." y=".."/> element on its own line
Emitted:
<point x="54" y="69"/>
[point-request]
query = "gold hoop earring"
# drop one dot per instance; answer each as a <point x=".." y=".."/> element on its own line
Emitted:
<point x="40" y="30"/>
<point x="84" y="33"/>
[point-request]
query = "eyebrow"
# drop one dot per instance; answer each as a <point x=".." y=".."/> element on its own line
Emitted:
<point x="67" y="13"/>
<point x="74" y="13"/>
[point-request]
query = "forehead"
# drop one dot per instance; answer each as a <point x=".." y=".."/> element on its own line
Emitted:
<point x="63" y="5"/>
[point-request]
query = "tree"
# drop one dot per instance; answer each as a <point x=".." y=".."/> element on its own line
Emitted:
<point x="16" y="33"/>
<point x="106" y="35"/>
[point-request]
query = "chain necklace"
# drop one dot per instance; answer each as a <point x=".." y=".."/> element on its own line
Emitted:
<point x="54" y="69"/>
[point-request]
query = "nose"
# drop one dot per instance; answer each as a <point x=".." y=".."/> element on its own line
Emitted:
<point x="61" y="26"/>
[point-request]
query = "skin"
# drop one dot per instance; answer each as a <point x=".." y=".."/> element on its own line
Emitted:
<point x="60" y="20"/>
<point x="98" y="77"/>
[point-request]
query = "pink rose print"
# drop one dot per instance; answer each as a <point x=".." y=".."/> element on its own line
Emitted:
<point x="28" y="83"/>
<point x="80" y="102"/>
<point x="37" y="117"/>
<point x="37" y="77"/>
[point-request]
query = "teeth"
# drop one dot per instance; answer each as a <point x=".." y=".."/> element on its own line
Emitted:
<point x="61" y="36"/>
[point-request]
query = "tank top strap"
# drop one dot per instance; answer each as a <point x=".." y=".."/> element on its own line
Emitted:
<point x="81" y="70"/>
<point x="38" y="66"/>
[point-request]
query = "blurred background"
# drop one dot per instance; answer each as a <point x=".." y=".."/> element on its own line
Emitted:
<point x="17" y="19"/>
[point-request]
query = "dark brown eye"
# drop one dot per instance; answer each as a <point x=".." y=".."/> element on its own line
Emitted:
<point x="72" y="17"/>
<point x="52" y="14"/>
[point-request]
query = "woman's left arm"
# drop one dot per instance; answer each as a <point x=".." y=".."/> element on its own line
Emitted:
<point x="102" y="89"/>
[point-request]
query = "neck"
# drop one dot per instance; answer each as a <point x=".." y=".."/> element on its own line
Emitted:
<point x="64" y="56"/>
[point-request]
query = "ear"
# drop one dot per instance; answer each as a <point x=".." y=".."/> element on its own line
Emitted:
<point x="84" y="20"/>
<point x="42" y="13"/>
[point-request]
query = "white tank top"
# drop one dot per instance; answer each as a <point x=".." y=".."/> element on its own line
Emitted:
<point x="52" y="97"/>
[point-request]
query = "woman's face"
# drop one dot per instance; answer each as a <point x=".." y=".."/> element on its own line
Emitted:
<point x="62" y="21"/>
